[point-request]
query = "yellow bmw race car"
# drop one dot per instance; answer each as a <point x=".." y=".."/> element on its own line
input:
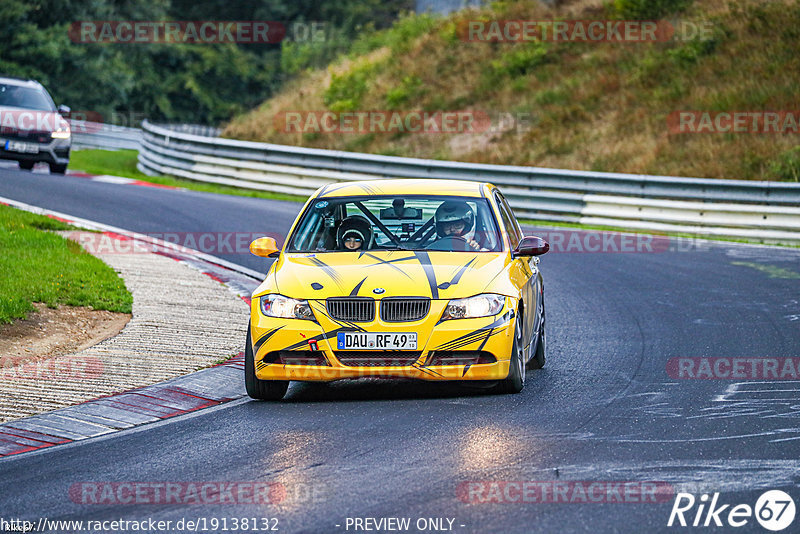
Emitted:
<point x="424" y="279"/>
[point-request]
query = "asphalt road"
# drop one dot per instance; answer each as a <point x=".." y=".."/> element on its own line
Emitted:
<point x="605" y="407"/>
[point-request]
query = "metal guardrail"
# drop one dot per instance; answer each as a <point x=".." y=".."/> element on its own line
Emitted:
<point x="87" y="134"/>
<point x="765" y="211"/>
<point x="196" y="129"/>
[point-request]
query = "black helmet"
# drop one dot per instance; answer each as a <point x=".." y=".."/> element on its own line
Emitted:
<point x="355" y="226"/>
<point x="454" y="211"/>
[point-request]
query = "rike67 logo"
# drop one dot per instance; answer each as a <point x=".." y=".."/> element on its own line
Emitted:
<point x="774" y="510"/>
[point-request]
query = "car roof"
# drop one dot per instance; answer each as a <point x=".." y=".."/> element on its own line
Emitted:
<point x="21" y="82"/>
<point x="405" y="186"/>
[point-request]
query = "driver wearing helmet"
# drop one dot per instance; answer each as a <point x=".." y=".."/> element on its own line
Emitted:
<point x="354" y="233"/>
<point x="454" y="218"/>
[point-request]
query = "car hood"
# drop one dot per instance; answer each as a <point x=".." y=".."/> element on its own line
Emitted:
<point x="439" y="275"/>
<point x="29" y="120"/>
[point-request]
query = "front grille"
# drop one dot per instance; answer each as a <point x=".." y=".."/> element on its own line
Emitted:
<point x="399" y="310"/>
<point x="387" y="358"/>
<point x="460" y="357"/>
<point x="25" y="135"/>
<point x="296" y="357"/>
<point x="357" y="310"/>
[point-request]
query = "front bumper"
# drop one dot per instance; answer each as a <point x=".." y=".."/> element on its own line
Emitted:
<point x="489" y="336"/>
<point x="56" y="151"/>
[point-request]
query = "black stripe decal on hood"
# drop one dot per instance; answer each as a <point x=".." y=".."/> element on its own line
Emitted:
<point x="389" y="262"/>
<point x="425" y="261"/>
<point x="459" y="274"/>
<point x="354" y="292"/>
<point x="330" y="271"/>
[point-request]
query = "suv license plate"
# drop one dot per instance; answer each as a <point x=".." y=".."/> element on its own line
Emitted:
<point x="18" y="146"/>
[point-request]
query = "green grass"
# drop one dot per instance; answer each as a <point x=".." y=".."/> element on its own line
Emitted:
<point x="112" y="162"/>
<point x="38" y="265"/>
<point x="123" y="163"/>
<point x="223" y="360"/>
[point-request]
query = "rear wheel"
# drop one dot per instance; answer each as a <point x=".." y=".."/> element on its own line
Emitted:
<point x="515" y="380"/>
<point x="57" y="169"/>
<point x="26" y="165"/>
<point x="538" y="360"/>
<point x="256" y="388"/>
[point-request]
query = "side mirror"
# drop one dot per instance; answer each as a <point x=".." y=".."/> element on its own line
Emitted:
<point x="531" y="246"/>
<point x="64" y="109"/>
<point x="266" y="247"/>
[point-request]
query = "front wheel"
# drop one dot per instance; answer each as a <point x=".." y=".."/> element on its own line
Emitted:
<point x="515" y="380"/>
<point x="55" y="168"/>
<point x="256" y="388"/>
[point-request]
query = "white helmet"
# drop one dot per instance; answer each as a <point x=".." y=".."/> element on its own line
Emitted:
<point x="452" y="211"/>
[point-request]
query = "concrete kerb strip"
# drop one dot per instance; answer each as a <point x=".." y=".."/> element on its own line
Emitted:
<point x="168" y="336"/>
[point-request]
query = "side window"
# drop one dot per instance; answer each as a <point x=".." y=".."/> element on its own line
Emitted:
<point x="510" y="224"/>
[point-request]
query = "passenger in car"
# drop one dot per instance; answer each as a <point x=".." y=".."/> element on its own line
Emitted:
<point x="354" y="233"/>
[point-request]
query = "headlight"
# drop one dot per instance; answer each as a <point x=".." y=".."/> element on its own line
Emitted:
<point x="477" y="306"/>
<point x="286" y="308"/>
<point x="63" y="131"/>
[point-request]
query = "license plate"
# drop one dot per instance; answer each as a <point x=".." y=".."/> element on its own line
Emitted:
<point x="18" y="146"/>
<point x="376" y="341"/>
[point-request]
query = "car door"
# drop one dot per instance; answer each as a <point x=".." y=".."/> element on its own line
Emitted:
<point x="530" y="289"/>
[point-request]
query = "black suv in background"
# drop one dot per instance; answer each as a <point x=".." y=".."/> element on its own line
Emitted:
<point x="31" y="127"/>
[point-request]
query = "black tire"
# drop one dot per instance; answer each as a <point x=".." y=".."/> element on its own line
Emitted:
<point x="515" y="380"/>
<point x="538" y="360"/>
<point x="57" y="169"/>
<point x="256" y="388"/>
<point x="26" y="165"/>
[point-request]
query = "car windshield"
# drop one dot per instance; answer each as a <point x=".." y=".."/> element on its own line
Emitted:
<point x="15" y="96"/>
<point x="440" y="223"/>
